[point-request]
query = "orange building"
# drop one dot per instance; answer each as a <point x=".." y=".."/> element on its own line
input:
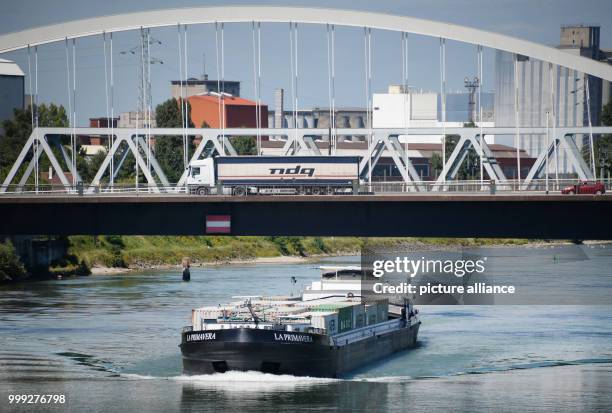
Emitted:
<point x="239" y="112"/>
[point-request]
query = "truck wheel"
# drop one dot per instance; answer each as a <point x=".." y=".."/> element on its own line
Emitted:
<point x="330" y="190"/>
<point x="316" y="190"/>
<point x="202" y="191"/>
<point x="240" y="191"/>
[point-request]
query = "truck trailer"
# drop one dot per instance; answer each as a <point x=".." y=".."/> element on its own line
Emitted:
<point x="244" y="175"/>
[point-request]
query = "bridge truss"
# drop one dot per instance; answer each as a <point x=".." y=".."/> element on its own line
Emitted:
<point x="218" y="142"/>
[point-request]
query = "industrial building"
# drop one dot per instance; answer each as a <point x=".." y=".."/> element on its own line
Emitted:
<point x="394" y="109"/>
<point x="12" y="89"/>
<point x="225" y="111"/>
<point x="569" y="87"/>
<point x="136" y="119"/>
<point x="193" y="86"/>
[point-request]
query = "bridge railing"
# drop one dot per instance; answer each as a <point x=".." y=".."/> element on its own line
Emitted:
<point x="473" y="187"/>
<point x="88" y="190"/>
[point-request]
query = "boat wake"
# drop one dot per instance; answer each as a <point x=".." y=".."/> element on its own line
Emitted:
<point x="239" y="381"/>
<point x="257" y="381"/>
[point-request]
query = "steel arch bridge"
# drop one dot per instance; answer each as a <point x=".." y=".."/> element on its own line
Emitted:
<point x="298" y="138"/>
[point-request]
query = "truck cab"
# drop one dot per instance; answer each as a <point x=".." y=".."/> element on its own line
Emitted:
<point x="201" y="177"/>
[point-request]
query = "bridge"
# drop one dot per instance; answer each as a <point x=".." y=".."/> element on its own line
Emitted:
<point x="494" y="205"/>
<point x="576" y="217"/>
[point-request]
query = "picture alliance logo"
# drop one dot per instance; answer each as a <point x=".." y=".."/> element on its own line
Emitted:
<point x="297" y="170"/>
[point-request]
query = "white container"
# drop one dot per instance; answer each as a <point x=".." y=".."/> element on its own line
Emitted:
<point x="327" y="321"/>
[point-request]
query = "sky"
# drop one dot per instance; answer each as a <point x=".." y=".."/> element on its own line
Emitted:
<point x="535" y="20"/>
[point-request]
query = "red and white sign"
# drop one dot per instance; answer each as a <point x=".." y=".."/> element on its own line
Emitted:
<point x="218" y="224"/>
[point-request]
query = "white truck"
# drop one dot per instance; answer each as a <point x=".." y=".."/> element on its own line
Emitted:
<point x="244" y="175"/>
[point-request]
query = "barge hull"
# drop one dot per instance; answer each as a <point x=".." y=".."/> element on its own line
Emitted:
<point x="298" y="354"/>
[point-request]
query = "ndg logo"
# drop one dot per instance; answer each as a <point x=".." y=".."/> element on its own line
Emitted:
<point x="297" y="170"/>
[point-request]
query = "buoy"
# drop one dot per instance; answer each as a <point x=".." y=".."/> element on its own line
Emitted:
<point x="186" y="273"/>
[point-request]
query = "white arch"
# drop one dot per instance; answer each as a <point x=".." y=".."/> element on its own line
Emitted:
<point x="196" y="15"/>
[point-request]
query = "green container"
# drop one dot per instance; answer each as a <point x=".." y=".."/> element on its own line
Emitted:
<point x="330" y="306"/>
<point x="345" y="319"/>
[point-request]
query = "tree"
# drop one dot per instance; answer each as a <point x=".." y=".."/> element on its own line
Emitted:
<point x="18" y="130"/>
<point x="245" y="145"/>
<point x="169" y="149"/>
<point x="11" y="267"/>
<point x="89" y="166"/>
<point x="470" y="167"/>
<point x="606" y="114"/>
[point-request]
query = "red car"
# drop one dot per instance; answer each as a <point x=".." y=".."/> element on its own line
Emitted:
<point x="597" y="188"/>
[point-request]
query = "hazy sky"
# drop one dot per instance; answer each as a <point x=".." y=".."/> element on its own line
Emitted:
<point x="536" y="20"/>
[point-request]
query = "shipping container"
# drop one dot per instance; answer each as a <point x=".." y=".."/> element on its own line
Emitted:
<point x="267" y="170"/>
<point x="359" y="316"/>
<point x="327" y="321"/>
<point x="345" y="319"/>
<point x="371" y="311"/>
<point x="382" y="310"/>
<point x="334" y="306"/>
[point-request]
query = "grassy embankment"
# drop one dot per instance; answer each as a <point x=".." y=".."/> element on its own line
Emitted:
<point x="146" y="251"/>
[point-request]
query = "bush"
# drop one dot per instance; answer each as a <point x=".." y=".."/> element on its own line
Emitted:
<point x="11" y="267"/>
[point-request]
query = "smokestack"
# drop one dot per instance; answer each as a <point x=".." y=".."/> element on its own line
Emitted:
<point x="278" y="107"/>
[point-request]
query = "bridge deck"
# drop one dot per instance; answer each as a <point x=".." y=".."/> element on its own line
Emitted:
<point x="521" y="216"/>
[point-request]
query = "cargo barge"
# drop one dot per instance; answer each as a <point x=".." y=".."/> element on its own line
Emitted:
<point x="326" y="332"/>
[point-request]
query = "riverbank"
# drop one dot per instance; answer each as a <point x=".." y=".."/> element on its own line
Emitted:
<point x="105" y="255"/>
<point x="110" y="255"/>
<point x="285" y="259"/>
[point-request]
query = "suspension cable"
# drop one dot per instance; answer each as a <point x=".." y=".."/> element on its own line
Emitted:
<point x="367" y="38"/>
<point x="293" y="91"/>
<point x="443" y="103"/>
<point x="73" y="141"/>
<point x="370" y="81"/>
<point x="31" y="101"/>
<point x="181" y="93"/>
<point x="138" y="109"/>
<point x="329" y="91"/>
<point x="591" y="146"/>
<point x="68" y="89"/>
<point x="223" y="82"/>
<point x="517" y="122"/>
<point x="112" y="105"/>
<point x="30" y="88"/>
<point x="255" y="81"/>
<point x="259" y="84"/>
<point x="482" y="138"/>
<point x="143" y="40"/>
<point x="548" y="128"/>
<point x="333" y="86"/>
<point x="36" y="116"/>
<point x="106" y="88"/>
<point x="295" y="47"/>
<point x="149" y="99"/>
<point x="218" y="82"/>
<point x="185" y="102"/>
<point x="554" y="121"/>
<point x="256" y="77"/>
<point x="405" y="116"/>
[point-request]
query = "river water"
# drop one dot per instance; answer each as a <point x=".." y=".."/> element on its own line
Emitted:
<point x="110" y="343"/>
